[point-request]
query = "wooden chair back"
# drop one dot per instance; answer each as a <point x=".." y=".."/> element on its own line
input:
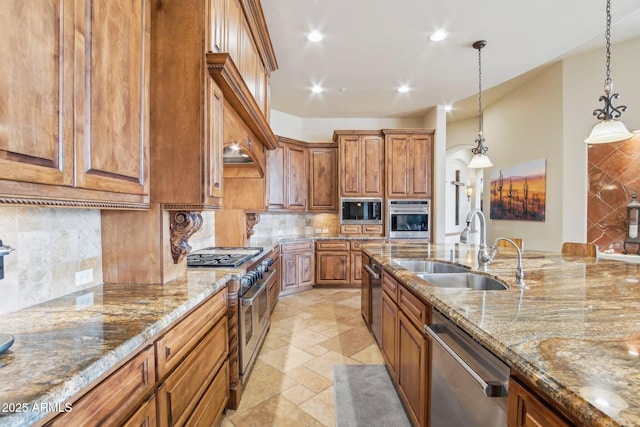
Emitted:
<point x="582" y="249"/>
<point x="507" y="245"/>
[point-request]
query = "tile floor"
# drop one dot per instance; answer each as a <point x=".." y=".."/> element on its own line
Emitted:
<point x="292" y="381"/>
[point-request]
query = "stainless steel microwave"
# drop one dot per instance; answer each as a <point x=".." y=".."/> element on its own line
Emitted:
<point x="361" y="210"/>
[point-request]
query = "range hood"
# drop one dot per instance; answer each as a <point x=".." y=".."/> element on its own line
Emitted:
<point x="236" y="156"/>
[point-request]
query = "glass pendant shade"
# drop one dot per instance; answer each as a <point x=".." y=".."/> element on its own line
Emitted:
<point x="606" y="131"/>
<point x="480" y="161"/>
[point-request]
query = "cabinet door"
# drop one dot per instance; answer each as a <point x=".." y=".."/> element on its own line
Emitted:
<point x="112" y="97"/>
<point x="333" y="268"/>
<point x="350" y="169"/>
<point x="323" y="179"/>
<point x="356" y="267"/>
<point x="398" y="172"/>
<point x="413" y="358"/>
<point x="296" y="181"/>
<point x="305" y="269"/>
<point x="389" y="347"/>
<point x="527" y="410"/>
<point x="36" y="102"/>
<point x="372" y="169"/>
<point x="276" y="172"/>
<point x="422" y="164"/>
<point x="289" y="277"/>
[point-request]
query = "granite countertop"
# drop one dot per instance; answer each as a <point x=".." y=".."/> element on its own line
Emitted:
<point x="63" y="345"/>
<point x="574" y="331"/>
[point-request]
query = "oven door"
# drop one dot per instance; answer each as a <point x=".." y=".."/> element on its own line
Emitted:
<point x="254" y="322"/>
<point x="409" y="222"/>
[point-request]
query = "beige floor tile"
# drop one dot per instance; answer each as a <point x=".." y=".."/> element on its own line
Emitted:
<point x="303" y="338"/>
<point x="369" y="356"/>
<point x="298" y="394"/>
<point x="310" y="379"/>
<point x="276" y="411"/>
<point x="316" y="350"/>
<point x="324" y="364"/>
<point x="321" y="407"/>
<point x="349" y="342"/>
<point x="264" y="382"/>
<point x="285" y="358"/>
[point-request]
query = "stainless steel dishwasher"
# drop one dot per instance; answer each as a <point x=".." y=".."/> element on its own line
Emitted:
<point x="468" y="383"/>
<point x="375" y="273"/>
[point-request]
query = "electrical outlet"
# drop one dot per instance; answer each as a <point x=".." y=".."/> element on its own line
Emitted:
<point x="325" y="230"/>
<point x="83" y="277"/>
<point x="84" y="301"/>
<point x="318" y="231"/>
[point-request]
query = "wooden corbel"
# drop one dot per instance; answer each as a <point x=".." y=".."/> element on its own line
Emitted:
<point x="183" y="224"/>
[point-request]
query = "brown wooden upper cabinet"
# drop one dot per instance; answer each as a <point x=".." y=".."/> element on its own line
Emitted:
<point x="287" y="169"/>
<point x="74" y="129"/>
<point x="360" y="163"/>
<point x="409" y="163"/>
<point x="323" y="178"/>
<point x="205" y="101"/>
<point x="303" y="176"/>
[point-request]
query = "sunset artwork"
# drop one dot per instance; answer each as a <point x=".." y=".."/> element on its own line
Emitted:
<point x="519" y="192"/>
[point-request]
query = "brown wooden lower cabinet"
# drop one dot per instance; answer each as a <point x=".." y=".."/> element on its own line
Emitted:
<point x="181" y="378"/>
<point x="297" y="265"/>
<point x="404" y="347"/>
<point x="526" y="409"/>
<point x="365" y="292"/>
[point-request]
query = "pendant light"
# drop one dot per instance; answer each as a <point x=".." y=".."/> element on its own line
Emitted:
<point x="609" y="129"/>
<point x="480" y="159"/>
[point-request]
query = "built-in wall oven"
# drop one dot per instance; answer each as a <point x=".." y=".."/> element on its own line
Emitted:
<point x="360" y="210"/>
<point x="409" y="219"/>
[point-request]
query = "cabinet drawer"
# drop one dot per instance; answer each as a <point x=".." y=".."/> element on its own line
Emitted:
<point x="214" y="400"/>
<point x="390" y="286"/>
<point x="372" y="229"/>
<point x="145" y="416"/>
<point x="110" y="401"/>
<point x="182" y="390"/>
<point x="332" y="245"/>
<point x="297" y="247"/>
<point x="350" y="229"/>
<point x="178" y="342"/>
<point x="526" y="409"/>
<point x="416" y="310"/>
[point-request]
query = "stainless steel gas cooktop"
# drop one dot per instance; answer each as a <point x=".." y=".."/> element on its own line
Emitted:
<point x="221" y="256"/>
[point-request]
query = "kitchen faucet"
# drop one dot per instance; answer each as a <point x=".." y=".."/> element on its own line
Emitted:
<point x="483" y="256"/>
<point x="519" y="269"/>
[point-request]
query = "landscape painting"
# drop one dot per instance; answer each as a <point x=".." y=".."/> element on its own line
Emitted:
<point x="519" y="192"/>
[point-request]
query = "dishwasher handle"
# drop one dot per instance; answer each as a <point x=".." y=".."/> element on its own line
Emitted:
<point x="374" y="275"/>
<point x="490" y="388"/>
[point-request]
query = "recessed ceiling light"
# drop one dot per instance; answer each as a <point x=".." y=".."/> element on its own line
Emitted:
<point x="316" y="89"/>
<point x="315" y="36"/>
<point x="403" y="89"/>
<point x="448" y="107"/>
<point x="438" y="36"/>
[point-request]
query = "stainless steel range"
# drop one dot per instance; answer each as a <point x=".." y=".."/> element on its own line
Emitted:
<point x="254" y="304"/>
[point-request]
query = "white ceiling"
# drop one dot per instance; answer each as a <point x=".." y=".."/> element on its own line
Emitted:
<point x="373" y="46"/>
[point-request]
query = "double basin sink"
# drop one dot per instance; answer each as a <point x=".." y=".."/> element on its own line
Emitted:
<point x="450" y="276"/>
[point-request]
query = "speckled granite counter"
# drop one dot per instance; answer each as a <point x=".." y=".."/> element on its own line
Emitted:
<point x="574" y="332"/>
<point x="65" y="344"/>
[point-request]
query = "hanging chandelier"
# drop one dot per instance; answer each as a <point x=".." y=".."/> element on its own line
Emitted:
<point x="609" y="129"/>
<point x="480" y="158"/>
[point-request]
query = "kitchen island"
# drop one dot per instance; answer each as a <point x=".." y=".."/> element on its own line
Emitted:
<point x="573" y="332"/>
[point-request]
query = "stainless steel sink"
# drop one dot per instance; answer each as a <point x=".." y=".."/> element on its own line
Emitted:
<point x="471" y="281"/>
<point x="429" y="266"/>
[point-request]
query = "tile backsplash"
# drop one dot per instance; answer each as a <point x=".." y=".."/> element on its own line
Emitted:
<point x="284" y="224"/>
<point x="51" y="245"/>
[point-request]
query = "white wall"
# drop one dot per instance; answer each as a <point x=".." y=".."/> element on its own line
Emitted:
<point x="321" y="129"/>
